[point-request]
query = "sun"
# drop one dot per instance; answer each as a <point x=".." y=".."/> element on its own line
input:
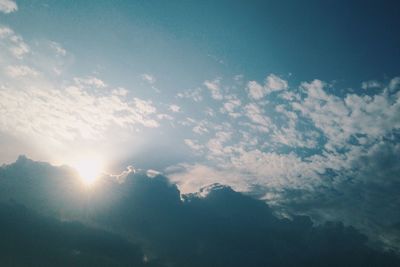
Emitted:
<point x="89" y="170"/>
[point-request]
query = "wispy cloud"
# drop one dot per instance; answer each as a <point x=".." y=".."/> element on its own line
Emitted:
<point x="148" y="78"/>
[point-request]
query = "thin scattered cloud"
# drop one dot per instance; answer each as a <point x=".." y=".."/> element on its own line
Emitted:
<point x="148" y="78"/>
<point x="90" y="81"/>
<point x="193" y="94"/>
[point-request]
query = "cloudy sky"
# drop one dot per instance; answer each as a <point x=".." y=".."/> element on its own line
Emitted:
<point x="296" y="103"/>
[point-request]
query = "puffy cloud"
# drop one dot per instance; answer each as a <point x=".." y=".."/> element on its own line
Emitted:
<point x="193" y="144"/>
<point x="303" y="146"/>
<point x="200" y="128"/>
<point x="216" y="145"/>
<point x="308" y="144"/>
<point x="354" y="116"/>
<point x="174" y="108"/>
<point x="370" y="84"/>
<point x="231" y="107"/>
<point x="8" y="6"/>
<point x="256" y="91"/>
<point x="192" y="177"/>
<point x="255" y="114"/>
<point x="272" y="83"/>
<point x="120" y="178"/>
<point x="215" y="89"/>
<point x="38" y="106"/>
<point x="394" y="84"/>
<point x="275" y="83"/>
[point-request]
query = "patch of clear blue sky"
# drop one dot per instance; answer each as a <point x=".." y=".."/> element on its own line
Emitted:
<point x="182" y="42"/>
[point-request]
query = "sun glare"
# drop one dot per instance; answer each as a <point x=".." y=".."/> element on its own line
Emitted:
<point x="89" y="170"/>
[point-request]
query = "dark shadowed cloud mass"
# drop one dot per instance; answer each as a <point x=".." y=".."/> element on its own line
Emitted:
<point x="145" y="221"/>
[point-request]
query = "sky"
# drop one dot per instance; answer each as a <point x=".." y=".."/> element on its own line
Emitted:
<point x="296" y="103"/>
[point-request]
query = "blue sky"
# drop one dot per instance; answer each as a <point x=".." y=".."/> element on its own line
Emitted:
<point x="291" y="101"/>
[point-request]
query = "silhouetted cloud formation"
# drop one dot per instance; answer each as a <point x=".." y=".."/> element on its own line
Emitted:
<point x="214" y="227"/>
<point x="29" y="239"/>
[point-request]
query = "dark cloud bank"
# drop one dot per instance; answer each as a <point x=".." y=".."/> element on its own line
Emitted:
<point x="47" y="218"/>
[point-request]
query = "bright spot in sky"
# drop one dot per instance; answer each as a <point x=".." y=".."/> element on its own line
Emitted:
<point x="89" y="170"/>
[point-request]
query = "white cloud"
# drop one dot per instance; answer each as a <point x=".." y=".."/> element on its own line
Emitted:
<point x="256" y="91"/>
<point x="200" y="129"/>
<point x="215" y="89"/>
<point x="216" y="145"/>
<point x="162" y="116"/>
<point x="57" y="48"/>
<point x="272" y="83"/>
<point x="289" y="135"/>
<point x="120" y="178"/>
<point x="394" y="84"/>
<point x="152" y="173"/>
<point x="191" y="177"/>
<point x="68" y="113"/>
<point x="9" y="41"/>
<point x="148" y="78"/>
<point x="370" y="84"/>
<point x="194" y="94"/>
<point x="231" y="106"/>
<point x="275" y="83"/>
<point x="340" y="119"/>
<point x="8" y="6"/>
<point x="193" y="144"/>
<point x="255" y="114"/>
<point x="120" y="91"/>
<point x="315" y="142"/>
<point x="174" y="108"/>
<point x="45" y="108"/>
<point x="90" y="81"/>
<point x="145" y="106"/>
<point x="20" y="70"/>
<point x="248" y="168"/>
